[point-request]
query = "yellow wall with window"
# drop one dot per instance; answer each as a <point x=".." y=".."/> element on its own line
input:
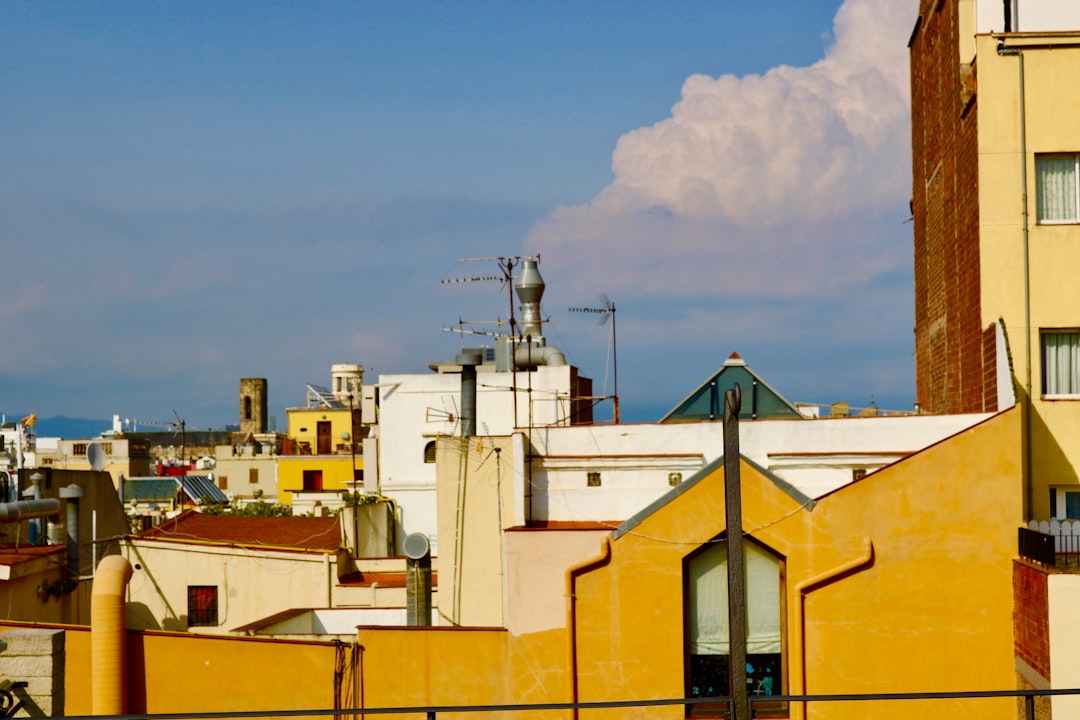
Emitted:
<point x="335" y="473"/>
<point x="330" y="458"/>
<point x="899" y="582"/>
<point x="304" y="426"/>
<point x="1051" y="300"/>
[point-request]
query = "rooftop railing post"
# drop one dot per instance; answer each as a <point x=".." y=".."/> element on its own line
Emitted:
<point x="1029" y="707"/>
<point x="735" y="562"/>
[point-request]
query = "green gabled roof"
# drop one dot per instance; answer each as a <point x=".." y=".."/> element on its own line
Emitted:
<point x="759" y="400"/>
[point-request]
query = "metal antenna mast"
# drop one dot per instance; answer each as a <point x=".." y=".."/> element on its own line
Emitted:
<point x="606" y="312"/>
<point x="507" y="264"/>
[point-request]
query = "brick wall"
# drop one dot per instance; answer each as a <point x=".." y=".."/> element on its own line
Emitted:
<point x="1031" y="621"/>
<point x="949" y="358"/>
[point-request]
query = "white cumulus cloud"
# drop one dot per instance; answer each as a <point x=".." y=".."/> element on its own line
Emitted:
<point x="800" y="176"/>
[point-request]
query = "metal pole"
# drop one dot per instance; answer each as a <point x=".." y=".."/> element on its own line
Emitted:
<point x="735" y="574"/>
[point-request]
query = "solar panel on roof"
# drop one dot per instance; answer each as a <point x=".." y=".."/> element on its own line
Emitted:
<point x="323" y="396"/>
<point x="200" y="487"/>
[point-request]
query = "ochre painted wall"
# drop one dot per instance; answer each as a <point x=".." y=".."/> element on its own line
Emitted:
<point x="179" y="672"/>
<point x="1053" y="250"/>
<point x="930" y="610"/>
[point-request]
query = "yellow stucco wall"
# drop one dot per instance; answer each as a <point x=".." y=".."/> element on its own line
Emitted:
<point x="1053" y="256"/>
<point x="931" y="609"/>
<point x="303" y="424"/>
<point x="931" y="612"/>
<point x="178" y="673"/>
<point x="337" y="471"/>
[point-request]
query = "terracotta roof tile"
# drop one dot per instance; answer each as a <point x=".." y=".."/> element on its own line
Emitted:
<point x="293" y="533"/>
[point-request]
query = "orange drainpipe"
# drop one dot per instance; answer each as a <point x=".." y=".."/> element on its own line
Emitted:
<point x="108" y="637"/>
<point x="819" y="580"/>
<point x="571" y="612"/>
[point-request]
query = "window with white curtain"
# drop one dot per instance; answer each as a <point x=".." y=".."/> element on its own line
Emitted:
<point x="1061" y="362"/>
<point x="1057" y="192"/>
<point x="707" y="623"/>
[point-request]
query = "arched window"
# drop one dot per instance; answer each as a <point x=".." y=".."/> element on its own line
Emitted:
<point x="429" y="452"/>
<point x="707" y="634"/>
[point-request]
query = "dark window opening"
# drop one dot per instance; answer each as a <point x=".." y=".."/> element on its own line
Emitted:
<point x="312" y="480"/>
<point x="202" y="605"/>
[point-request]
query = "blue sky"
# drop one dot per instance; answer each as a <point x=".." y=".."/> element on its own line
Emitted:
<point x="195" y="192"/>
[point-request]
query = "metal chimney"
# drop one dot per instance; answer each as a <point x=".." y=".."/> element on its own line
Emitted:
<point x="530" y="288"/>
<point x="71" y="494"/>
<point x="418" y="580"/>
<point x="468" y="358"/>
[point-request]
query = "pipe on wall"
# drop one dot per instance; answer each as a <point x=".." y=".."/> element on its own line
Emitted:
<point x="865" y="558"/>
<point x="571" y="613"/>
<point x="23" y="509"/>
<point x="108" y="637"/>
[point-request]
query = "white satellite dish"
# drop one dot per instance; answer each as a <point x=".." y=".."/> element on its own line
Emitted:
<point x="95" y="455"/>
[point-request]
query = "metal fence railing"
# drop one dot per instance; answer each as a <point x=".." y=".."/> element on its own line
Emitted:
<point x="1028" y="698"/>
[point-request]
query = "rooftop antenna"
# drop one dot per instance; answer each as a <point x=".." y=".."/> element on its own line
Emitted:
<point x="507" y="263"/>
<point x="463" y="331"/>
<point x="181" y="425"/>
<point x="607" y="312"/>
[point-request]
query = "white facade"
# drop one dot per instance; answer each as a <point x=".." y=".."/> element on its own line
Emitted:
<point x="417" y="410"/>
<point x="1028" y="15"/>
<point x="636" y="462"/>
<point x="629" y="465"/>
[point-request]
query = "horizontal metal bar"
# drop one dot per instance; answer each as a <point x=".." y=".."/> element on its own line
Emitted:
<point x="429" y="710"/>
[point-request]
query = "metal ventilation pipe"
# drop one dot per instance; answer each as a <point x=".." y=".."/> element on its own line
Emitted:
<point x="72" y="493"/>
<point x="28" y="509"/>
<point x="529" y="287"/>
<point x="418" y="580"/>
<point x="529" y="356"/>
<point x="33" y="494"/>
<point x="108" y="637"/>
<point x="468" y="359"/>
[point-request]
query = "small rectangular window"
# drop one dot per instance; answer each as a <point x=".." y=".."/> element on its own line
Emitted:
<point x="253" y="475"/>
<point x="593" y="479"/>
<point x="1061" y="362"/>
<point x="312" y="480"/>
<point x="1056" y="188"/>
<point x="202" y="605"/>
<point x="1072" y="505"/>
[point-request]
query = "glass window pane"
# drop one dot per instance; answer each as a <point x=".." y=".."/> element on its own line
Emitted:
<point x="1055" y="187"/>
<point x="708" y="633"/>
<point x="1061" y="363"/>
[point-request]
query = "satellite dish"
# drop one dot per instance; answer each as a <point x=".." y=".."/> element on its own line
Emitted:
<point x="95" y="456"/>
<point x="417" y="546"/>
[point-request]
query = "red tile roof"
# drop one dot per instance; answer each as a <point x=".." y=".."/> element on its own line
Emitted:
<point x="383" y="579"/>
<point x="11" y="555"/>
<point x="288" y="533"/>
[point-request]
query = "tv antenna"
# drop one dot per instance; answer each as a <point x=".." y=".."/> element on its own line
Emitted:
<point x="507" y="263"/>
<point x="462" y="330"/>
<point x="607" y="312"/>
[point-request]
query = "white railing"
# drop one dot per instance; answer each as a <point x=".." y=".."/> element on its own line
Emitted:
<point x="1066" y="534"/>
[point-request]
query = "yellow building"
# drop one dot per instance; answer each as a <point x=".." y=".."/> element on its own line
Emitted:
<point x="996" y="170"/>
<point x="321" y="452"/>
<point x="898" y="582"/>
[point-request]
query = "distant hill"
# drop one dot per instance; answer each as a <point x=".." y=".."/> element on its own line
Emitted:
<point x="71" y="428"/>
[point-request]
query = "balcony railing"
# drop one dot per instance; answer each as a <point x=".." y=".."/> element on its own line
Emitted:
<point x="1061" y="537"/>
<point x="1027" y="700"/>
